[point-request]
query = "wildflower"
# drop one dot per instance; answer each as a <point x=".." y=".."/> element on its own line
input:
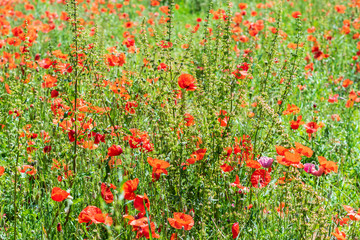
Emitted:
<point x="260" y="178"/>
<point x="297" y="123"/>
<point x="141" y="203"/>
<point x="235" y="230"/>
<point x="25" y="169"/>
<point x="130" y="187"/>
<point x="92" y="214"/>
<point x="354" y="216"/>
<point x="226" y="168"/>
<point x="2" y="170"/>
<point x="296" y="14"/>
<point x="333" y="99"/>
<point x="189" y="119"/>
<point x="223" y="118"/>
<point x="311" y="128"/>
<point x="196" y="156"/>
<point x="181" y="220"/>
<point x="114" y="150"/>
<point x="159" y="166"/>
<point x="303" y="150"/>
<point x="59" y="195"/>
<point x="187" y="82"/>
<point x="328" y="166"/>
<point x="291" y="109"/>
<point x="339" y="235"/>
<point x="106" y="193"/>
<point x="266" y="162"/>
<point x="311" y="168"/>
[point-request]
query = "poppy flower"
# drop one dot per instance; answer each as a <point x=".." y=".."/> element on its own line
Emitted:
<point x="303" y="150"/>
<point x="2" y="170"/>
<point x="296" y="123"/>
<point x="92" y="214"/>
<point x="354" y="216"/>
<point x="266" y="162"/>
<point x="141" y="202"/>
<point x="106" y="193"/>
<point x="189" y="119"/>
<point x="260" y="178"/>
<point x="159" y="166"/>
<point x="141" y="225"/>
<point x="226" y="168"/>
<point x="196" y="156"/>
<point x="59" y="195"/>
<point x="310" y="168"/>
<point x="54" y="94"/>
<point x="333" y="99"/>
<point x="328" y="166"/>
<point x="311" y="128"/>
<point x="223" y="118"/>
<point x="291" y="109"/>
<point x="296" y="14"/>
<point x="339" y="235"/>
<point x="187" y="82"/>
<point x="235" y="230"/>
<point x="347" y="82"/>
<point x="25" y="169"/>
<point x="114" y="150"/>
<point x="130" y="187"/>
<point x="253" y="164"/>
<point x="181" y="220"/>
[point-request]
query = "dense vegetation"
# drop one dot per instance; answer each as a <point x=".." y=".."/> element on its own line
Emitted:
<point x="179" y="119"/>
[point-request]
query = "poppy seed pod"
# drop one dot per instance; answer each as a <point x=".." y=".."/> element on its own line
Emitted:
<point x="266" y="162"/>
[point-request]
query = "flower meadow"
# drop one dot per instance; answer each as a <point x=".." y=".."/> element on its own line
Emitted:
<point x="189" y="119"/>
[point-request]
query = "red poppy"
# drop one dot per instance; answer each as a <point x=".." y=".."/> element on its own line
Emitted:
<point x="187" y="82"/>
<point x="114" y="150"/>
<point x="141" y="202"/>
<point x="159" y="166"/>
<point x="223" y="118"/>
<point x="106" y="192"/>
<point x="226" y="168"/>
<point x="196" y="156"/>
<point x="297" y="123"/>
<point x="59" y="195"/>
<point x="235" y="230"/>
<point x="189" y="119"/>
<point x="296" y="14"/>
<point x="260" y="178"/>
<point x="328" y="166"/>
<point x="2" y="170"/>
<point x="181" y="220"/>
<point x="92" y="214"/>
<point x="339" y="235"/>
<point x="129" y="189"/>
<point x="25" y="169"/>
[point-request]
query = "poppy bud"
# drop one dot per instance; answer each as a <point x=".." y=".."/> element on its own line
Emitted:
<point x="47" y="149"/>
<point x="58" y="227"/>
<point x="54" y="94"/>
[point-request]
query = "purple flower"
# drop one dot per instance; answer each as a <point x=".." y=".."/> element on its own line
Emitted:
<point x="266" y="162"/>
<point x="311" y="168"/>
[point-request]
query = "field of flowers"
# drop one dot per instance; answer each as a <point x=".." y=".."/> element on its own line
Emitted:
<point x="180" y="119"/>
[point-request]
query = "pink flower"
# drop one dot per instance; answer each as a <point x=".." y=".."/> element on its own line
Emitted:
<point x="311" y="168"/>
<point x="266" y="162"/>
